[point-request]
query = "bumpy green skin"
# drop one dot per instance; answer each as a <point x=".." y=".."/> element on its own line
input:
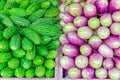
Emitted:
<point x="45" y="40"/>
<point x="24" y="4"/>
<point x="40" y="1"/>
<point x="45" y="5"/>
<point x="54" y="2"/>
<point x="19" y="72"/>
<point x="27" y="44"/>
<point x="36" y="15"/>
<point x="2" y="16"/>
<point x="49" y="63"/>
<point x="2" y="27"/>
<point x="10" y="4"/>
<point x="7" y="72"/>
<point x="15" y="42"/>
<point x="30" y="73"/>
<point x="5" y="56"/>
<point x="55" y="38"/>
<point x="22" y="53"/>
<point x="2" y="65"/>
<point x="52" y="54"/>
<point x="31" y="54"/>
<point x="9" y="32"/>
<point x="31" y="1"/>
<point x="42" y="50"/>
<point x="47" y="30"/>
<point x="18" y="1"/>
<point x="2" y="3"/>
<point x="1" y="35"/>
<point x="20" y="21"/>
<point x="45" y="21"/>
<point x="13" y="63"/>
<point x="7" y="21"/>
<point x="4" y="45"/>
<point x="38" y="60"/>
<point x="25" y="63"/>
<point x="32" y="8"/>
<point x="29" y="33"/>
<point x="53" y="45"/>
<point x="18" y="53"/>
<point x="58" y="26"/>
<point x="49" y="73"/>
<point x="17" y="12"/>
<point x="53" y="12"/>
<point x="40" y="71"/>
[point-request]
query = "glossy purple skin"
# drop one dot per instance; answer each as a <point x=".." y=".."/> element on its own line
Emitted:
<point x="106" y="19"/>
<point x="80" y="21"/>
<point x="113" y="42"/>
<point x="74" y="73"/>
<point x="69" y="27"/>
<point x="114" y="5"/>
<point x="70" y="50"/>
<point x="102" y="6"/>
<point x="115" y="28"/>
<point x="95" y="60"/>
<point x="108" y="63"/>
<point x="85" y="49"/>
<point x="81" y="61"/>
<point x="117" y="62"/>
<point x="63" y="9"/>
<point x="67" y="18"/>
<point x="105" y="51"/>
<point x="75" y="9"/>
<point x="88" y="73"/>
<point x="94" y="23"/>
<point x="67" y="62"/>
<point x="101" y="73"/>
<point x="115" y="16"/>
<point x="63" y="39"/>
<point x="117" y="52"/>
<point x="91" y="1"/>
<point x="85" y="32"/>
<point x="74" y="39"/>
<point x="65" y="73"/>
<point x="61" y="15"/>
<point x="103" y="32"/>
<point x="114" y="74"/>
<point x="95" y="42"/>
<point x="90" y="10"/>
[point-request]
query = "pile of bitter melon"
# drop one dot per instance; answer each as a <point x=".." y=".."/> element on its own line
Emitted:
<point x="28" y="38"/>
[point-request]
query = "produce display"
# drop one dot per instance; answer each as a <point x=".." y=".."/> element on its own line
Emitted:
<point x="29" y="38"/>
<point x="90" y="39"/>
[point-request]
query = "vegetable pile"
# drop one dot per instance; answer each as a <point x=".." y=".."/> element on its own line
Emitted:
<point x="29" y="33"/>
<point x="90" y="39"/>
